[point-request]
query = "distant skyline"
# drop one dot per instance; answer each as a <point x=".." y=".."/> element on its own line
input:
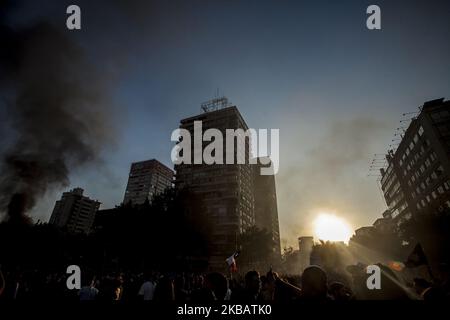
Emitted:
<point x="312" y="69"/>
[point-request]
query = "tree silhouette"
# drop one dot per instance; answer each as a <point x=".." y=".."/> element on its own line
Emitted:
<point x="169" y="233"/>
<point x="256" y="248"/>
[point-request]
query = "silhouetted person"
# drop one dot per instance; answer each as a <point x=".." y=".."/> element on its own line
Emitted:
<point x="2" y="282"/>
<point x="340" y="292"/>
<point x="164" y="290"/>
<point x="266" y="294"/>
<point x="279" y="289"/>
<point x="179" y="286"/>
<point x="88" y="291"/>
<point x="252" y="289"/>
<point x="314" y="284"/>
<point x="359" y="279"/>
<point x="147" y="289"/>
<point x="218" y="286"/>
<point x="118" y="287"/>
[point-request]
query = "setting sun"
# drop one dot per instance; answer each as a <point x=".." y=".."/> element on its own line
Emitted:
<point x="329" y="227"/>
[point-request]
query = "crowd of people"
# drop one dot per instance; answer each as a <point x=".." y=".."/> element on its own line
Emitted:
<point x="313" y="285"/>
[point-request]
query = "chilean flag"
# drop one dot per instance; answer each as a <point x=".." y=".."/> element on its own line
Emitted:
<point x="231" y="261"/>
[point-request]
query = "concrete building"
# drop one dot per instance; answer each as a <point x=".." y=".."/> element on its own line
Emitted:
<point x="417" y="177"/>
<point x="266" y="210"/>
<point x="75" y="211"/>
<point x="147" y="179"/>
<point x="364" y="231"/>
<point x="226" y="189"/>
<point x="305" y="246"/>
<point x="384" y="224"/>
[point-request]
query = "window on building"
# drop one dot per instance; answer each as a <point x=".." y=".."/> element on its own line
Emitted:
<point x="420" y="131"/>
<point x="446" y="185"/>
<point x="433" y="156"/>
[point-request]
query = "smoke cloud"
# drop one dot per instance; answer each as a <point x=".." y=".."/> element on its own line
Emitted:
<point x="54" y="108"/>
<point x="331" y="177"/>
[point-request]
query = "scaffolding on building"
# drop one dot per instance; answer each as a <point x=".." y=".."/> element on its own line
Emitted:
<point x="215" y="104"/>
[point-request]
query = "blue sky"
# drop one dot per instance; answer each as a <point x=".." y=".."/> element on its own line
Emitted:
<point x="312" y="69"/>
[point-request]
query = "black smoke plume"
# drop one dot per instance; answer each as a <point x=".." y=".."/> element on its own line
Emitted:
<point x="54" y="105"/>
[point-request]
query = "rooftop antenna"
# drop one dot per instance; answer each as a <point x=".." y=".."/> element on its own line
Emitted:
<point x="408" y="119"/>
<point x="378" y="162"/>
<point x="215" y="104"/>
<point x="408" y="113"/>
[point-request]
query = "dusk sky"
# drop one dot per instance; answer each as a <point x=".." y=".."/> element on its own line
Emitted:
<point x="312" y="69"/>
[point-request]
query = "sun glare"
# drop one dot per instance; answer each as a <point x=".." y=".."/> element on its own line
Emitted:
<point x="329" y="227"/>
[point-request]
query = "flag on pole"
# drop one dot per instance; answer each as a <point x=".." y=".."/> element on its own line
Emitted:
<point x="231" y="262"/>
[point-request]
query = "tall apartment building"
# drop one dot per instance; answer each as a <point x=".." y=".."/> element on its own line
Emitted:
<point x="147" y="179"/>
<point x="75" y="211"/>
<point x="226" y="189"/>
<point x="266" y="210"/>
<point x="417" y="177"/>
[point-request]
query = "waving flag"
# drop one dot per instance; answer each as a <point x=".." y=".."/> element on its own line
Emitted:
<point x="231" y="261"/>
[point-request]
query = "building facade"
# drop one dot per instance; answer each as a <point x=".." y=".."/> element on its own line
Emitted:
<point x="384" y="224"/>
<point x="266" y="210"/>
<point x="75" y="212"/>
<point x="226" y="189"/>
<point x="417" y="177"/>
<point x="147" y="179"/>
